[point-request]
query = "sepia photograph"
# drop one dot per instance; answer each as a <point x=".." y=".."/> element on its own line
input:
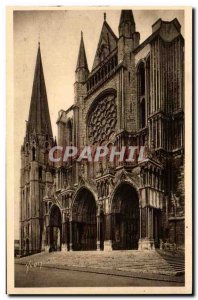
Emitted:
<point x="101" y="116"/>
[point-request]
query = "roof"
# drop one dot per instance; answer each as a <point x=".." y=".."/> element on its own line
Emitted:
<point x="107" y="43"/>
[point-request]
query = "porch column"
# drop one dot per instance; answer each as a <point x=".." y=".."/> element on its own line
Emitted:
<point x="98" y="230"/>
<point x="70" y="235"/>
<point x="44" y="238"/>
<point x="47" y="236"/>
<point x="64" y="246"/>
<point x="152" y="222"/>
<point x="140" y="222"/>
<point x="148" y="222"/>
<point x="155" y="227"/>
<point x="108" y="235"/>
<point x="146" y="241"/>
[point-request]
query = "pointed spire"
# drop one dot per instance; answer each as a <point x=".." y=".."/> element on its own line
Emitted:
<point x="39" y="117"/>
<point x="126" y="18"/>
<point x="82" y="59"/>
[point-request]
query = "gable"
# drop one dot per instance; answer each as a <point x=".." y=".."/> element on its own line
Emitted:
<point x="107" y="43"/>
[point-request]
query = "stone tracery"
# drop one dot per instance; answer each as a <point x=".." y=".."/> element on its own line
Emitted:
<point x="103" y="119"/>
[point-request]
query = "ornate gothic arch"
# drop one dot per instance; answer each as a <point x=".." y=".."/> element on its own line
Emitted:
<point x="84" y="228"/>
<point x="55" y="228"/>
<point x="55" y="207"/>
<point x="125" y="216"/>
<point x="82" y="187"/>
<point x="126" y="181"/>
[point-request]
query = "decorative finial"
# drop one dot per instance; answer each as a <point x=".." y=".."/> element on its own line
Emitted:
<point x="105" y="16"/>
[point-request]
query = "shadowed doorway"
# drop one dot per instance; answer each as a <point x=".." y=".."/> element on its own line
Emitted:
<point x="84" y="228"/>
<point x="125" y="218"/>
<point x="55" y="229"/>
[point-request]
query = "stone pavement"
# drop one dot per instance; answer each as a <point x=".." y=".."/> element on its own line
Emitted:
<point x="58" y="277"/>
<point x="141" y="263"/>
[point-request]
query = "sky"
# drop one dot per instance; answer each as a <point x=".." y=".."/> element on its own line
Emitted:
<point x="59" y="35"/>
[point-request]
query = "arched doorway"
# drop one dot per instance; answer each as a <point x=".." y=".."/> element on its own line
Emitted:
<point x="125" y="218"/>
<point x="84" y="227"/>
<point x="55" y="229"/>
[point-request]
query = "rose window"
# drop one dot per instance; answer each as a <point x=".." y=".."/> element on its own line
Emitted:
<point x="103" y="120"/>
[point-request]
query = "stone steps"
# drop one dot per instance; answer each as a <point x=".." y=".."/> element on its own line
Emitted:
<point x="176" y="261"/>
<point x="137" y="261"/>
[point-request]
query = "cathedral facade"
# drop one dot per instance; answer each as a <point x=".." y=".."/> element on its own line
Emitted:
<point x="133" y="96"/>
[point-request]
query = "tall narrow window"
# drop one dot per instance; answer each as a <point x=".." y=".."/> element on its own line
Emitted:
<point x="131" y="107"/>
<point x="69" y="132"/>
<point x="141" y="95"/>
<point x="142" y="114"/>
<point x="148" y="86"/>
<point x="33" y="153"/>
<point x="40" y="173"/>
<point x="142" y="79"/>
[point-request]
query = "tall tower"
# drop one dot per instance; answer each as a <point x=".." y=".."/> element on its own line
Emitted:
<point x="128" y="37"/>
<point x="34" y="164"/>
<point x="127" y="24"/>
<point x="80" y="88"/>
<point x="127" y="42"/>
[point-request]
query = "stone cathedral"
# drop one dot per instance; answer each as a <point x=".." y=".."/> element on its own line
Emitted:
<point x="133" y="95"/>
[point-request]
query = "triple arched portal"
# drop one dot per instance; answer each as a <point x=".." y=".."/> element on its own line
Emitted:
<point x="90" y="229"/>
